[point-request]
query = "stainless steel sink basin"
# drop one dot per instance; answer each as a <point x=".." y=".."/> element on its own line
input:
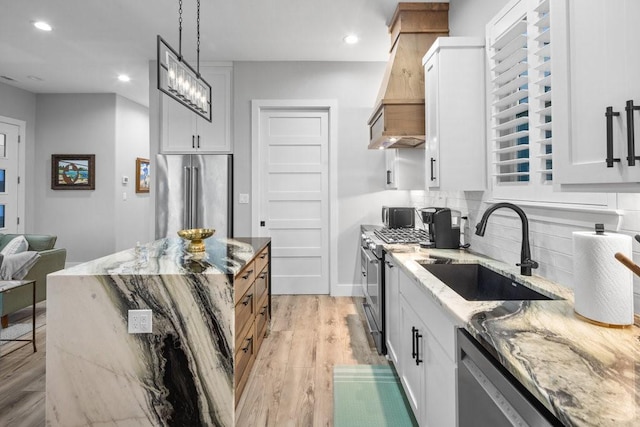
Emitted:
<point x="475" y="282"/>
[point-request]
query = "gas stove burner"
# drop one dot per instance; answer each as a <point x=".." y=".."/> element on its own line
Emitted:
<point x="402" y="235"/>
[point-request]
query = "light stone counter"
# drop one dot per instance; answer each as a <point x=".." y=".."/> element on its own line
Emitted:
<point x="182" y="373"/>
<point x="586" y="375"/>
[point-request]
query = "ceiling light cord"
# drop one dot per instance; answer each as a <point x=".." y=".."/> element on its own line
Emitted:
<point x="180" y="30"/>
<point x="198" y="44"/>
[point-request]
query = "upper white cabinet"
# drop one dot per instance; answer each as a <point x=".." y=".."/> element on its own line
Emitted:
<point x="404" y="169"/>
<point x="185" y="132"/>
<point x="595" y="46"/>
<point x="455" y="156"/>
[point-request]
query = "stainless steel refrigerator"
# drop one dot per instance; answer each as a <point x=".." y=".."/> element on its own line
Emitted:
<point x="194" y="191"/>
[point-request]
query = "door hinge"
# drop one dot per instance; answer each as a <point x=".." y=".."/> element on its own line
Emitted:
<point x="19" y="139"/>
<point x="262" y="224"/>
<point x="18" y="220"/>
<point x="18" y="180"/>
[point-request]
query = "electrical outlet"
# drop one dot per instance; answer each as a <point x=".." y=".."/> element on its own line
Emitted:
<point x="140" y="321"/>
<point x="244" y="198"/>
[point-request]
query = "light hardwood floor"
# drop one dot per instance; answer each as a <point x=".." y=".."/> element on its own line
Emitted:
<point x="292" y="379"/>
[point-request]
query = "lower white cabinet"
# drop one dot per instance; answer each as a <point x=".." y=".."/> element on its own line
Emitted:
<point x="425" y="358"/>
<point x="392" y="308"/>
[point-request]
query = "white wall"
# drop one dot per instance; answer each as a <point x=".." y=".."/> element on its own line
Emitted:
<point x="469" y="17"/>
<point x="133" y="220"/>
<point x="360" y="178"/>
<point x="87" y="222"/>
<point x="21" y="105"/>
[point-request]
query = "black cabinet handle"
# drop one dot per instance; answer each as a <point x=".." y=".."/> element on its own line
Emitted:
<point x="414" y="353"/>
<point x="389" y="264"/>
<point x="198" y="141"/>
<point x="193" y="141"/>
<point x="388" y="177"/>
<point x="433" y="178"/>
<point x="249" y="344"/>
<point x="246" y="276"/>
<point x="610" y="114"/>
<point x="418" y="360"/>
<point x="247" y="299"/>
<point x="264" y="310"/>
<point x="631" y="144"/>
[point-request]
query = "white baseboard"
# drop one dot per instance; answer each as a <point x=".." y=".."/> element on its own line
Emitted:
<point x="347" y="290"/>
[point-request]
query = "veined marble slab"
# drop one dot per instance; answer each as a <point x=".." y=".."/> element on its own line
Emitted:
<point x="586" y="375"/>
<point x="182" y="373"/>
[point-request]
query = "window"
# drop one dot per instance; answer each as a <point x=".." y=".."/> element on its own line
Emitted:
<point x="519" y="92"/>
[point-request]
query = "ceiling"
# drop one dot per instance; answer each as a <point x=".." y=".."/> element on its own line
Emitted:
<point x="95" y="40"/>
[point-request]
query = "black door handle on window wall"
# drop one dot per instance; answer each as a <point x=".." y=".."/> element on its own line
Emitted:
<point x="610" y="114"/>
<point x="631" y="147"/>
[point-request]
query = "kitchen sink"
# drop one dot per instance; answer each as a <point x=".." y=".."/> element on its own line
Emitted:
<point x="475" y="282"/>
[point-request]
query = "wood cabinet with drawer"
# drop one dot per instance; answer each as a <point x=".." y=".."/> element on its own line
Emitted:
<point x="252" y="313"/>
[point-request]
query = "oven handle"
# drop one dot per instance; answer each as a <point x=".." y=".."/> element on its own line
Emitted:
<point x="371" y="260"/>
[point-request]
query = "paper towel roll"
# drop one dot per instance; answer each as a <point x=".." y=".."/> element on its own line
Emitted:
<point x="603" y="287"/>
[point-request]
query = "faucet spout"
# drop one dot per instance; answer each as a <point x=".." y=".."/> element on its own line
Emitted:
<point x="526" y="263"/>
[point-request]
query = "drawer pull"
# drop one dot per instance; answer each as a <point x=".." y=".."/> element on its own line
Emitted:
<point x="246" y="276"/>
<point x="264" y="255"/>
<point x="264" y="310"/>
<point x="263" y="275"/>
<point x="249" y="344"/>
<point x="247" y="299"/>
<point x="610" y="114"/>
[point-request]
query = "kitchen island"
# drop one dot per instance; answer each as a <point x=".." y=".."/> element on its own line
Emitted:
<point x="584" y="374"/>
<point x="185" y="372"/>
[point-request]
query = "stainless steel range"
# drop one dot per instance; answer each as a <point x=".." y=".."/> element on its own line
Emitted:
<point x="372" y="241"/>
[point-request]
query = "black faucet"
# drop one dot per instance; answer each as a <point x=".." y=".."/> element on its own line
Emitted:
<point x="526" y="263"/>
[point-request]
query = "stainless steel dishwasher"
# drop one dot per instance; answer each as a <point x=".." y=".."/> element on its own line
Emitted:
<point x="488" y="395"/>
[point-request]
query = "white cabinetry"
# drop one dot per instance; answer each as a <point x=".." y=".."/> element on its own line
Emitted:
<point x="455" y="114"/>
<point x="426" y="355"/>
<point x="594" y="44"/>
<point x="405" y="169"/>
<point x="185" y="132"/>
<point x="392" y="308"/>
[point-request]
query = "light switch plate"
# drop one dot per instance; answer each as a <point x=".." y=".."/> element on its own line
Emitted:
<point x="140" y="321"/>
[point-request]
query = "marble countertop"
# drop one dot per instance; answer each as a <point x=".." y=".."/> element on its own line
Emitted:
<point x="583" y="373"/>
<point x="168" y="256"/>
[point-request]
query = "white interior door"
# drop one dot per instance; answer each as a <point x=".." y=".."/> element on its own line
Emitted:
<point x="293" y="196"/>
<point x="11" y="193"/>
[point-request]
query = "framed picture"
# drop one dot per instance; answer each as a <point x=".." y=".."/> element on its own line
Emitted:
<point x="73" y="171"/>
<point x="143" y="177"/>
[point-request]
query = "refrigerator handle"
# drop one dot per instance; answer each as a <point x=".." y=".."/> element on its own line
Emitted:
<point x="187" y="192"/>
<point x="196" y="198"/>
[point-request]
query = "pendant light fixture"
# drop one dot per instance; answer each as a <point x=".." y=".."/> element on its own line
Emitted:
<point x="178" y="79"/>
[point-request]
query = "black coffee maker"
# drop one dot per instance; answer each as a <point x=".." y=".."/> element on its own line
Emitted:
<point x="444" y="227"/>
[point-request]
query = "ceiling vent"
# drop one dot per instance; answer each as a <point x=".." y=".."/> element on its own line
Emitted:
<point x="398" y="117"/>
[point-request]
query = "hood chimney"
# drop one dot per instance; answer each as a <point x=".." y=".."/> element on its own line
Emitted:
<point x="398" y="116"/>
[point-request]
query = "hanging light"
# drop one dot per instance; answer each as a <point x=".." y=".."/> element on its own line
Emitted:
<point x="178" y="79"/>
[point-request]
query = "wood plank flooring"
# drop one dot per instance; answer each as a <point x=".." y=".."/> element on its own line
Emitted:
<point x="291" y="383"/>
<point x="292" y="380"/>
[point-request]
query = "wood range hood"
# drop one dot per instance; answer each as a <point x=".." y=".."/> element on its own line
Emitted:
<point x="398" y="116"/>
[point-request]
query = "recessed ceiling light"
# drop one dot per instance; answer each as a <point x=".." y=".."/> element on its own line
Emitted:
<point x="124" y="78"/>
<point x="351" y="39"/>
<point x="41" y="25"/>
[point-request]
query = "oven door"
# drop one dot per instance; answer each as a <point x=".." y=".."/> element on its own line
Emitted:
<point x="372" y="286"/>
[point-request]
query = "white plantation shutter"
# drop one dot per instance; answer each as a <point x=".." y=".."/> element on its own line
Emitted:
<point x="510" y="104"/>
<point x="542" y="109"/>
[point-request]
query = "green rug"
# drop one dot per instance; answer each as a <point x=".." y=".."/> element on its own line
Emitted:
<point x="369" y="395"/>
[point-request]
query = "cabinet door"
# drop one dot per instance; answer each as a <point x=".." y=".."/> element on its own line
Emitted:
<point x="178" y="127"/>
<point x="215" y="136"/>
<point x="183" y="131"/>
<point x="392" y="308"/>
<point x="411" y="358"/>
<point x="455" y="115"/>
<point x="596" y="58"/>
<point x="440" y="385"/>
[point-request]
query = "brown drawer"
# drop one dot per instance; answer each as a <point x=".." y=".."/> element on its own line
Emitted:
<point x="243" y="280"/>
<point x="262" y="259"/>
<point x="245" y="313"/>
<point x="262" y="320"/>
<point x="245" y="356"/>
<point x="262" y="283"/>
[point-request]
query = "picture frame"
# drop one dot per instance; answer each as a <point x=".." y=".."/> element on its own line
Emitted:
<point x="73" y="171"/>
<point x="143" y="175"/>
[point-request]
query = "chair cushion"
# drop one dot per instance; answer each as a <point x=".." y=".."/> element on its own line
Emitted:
<point x="37" y="242"/>
<point x="15" y="246"/>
